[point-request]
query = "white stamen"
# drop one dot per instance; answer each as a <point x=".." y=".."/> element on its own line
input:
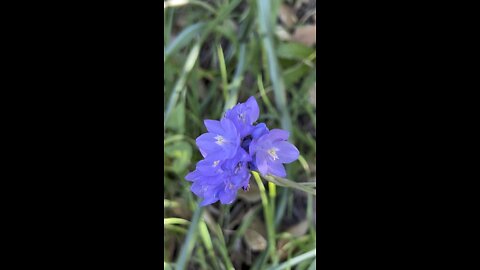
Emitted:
<point x="215" y="163"/>
<point x="220" y="140"/>
<point x="273" y="153"/>
<point x="242" y="117"/>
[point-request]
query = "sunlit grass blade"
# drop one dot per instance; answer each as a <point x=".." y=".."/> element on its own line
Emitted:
<point x="169" y="204"/>
<point x="168" y="266"/>
<point x="289" y="183"/>
<point x="168" y="23"/>
<point x="201" y="259"/>
<point x="183" y="39"/>
<point x="237" y="79"/>
<point x="207" y="241"/>
<point x="174" y="228"/>
<point x="222" y="14"/>
<point x="304" y="164"/>
<point x="267" y="210"/>
<point x="308" y="184"/>
<point x="179" y="3"/>
<point x="178" y="137"/>
<point x="282" y="205"/>
<point x="223" y="71"/>
<point x="175" y="221"/>
<point x="180" y="84"/>
<point x="222" y="246"/>
<point x="266" y="32"/>
<point x="189" y="242"/>
<point x="295" y="260"/>
<point x="263" y="94"/>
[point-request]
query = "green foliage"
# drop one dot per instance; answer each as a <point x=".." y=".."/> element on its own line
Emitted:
<point x="219" y="53"/>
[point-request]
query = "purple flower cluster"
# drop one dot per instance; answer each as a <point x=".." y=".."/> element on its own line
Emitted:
<point x="232" y="147"/>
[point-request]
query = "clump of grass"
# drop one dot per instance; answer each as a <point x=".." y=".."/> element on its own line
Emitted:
<point x="218" y="53"/>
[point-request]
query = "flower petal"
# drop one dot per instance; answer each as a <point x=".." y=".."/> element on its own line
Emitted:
<point x="197" y="189"/>
<point x="227" y="196"/>
<point x="206" y="143"/>
<point x="261" y="162"/>
<point x="259" y="130"/>
<point x="277" y="169"/>
<point x="213" y="126"/>
<point x="192" y="176"/>
<point x="210" y="166"/>
<point x="278" y="134"/>
<point x="230" y="131"/>
<point x="286" y="152"/>
<point x="252" y="109"/>
<point x="208" y="201"/>
<point x="252" y="148"/>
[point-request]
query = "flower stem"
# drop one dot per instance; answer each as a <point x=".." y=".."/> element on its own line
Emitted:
<point x="283" y="182"/>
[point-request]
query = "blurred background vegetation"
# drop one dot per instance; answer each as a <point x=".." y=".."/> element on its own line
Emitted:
<point x="219" y="53"/>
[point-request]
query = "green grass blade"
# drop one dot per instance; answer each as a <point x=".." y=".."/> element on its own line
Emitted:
<point x="168" y="22"/>
<point x="180" y="84"/>
<point x="247" y="220"/>
<point x="289" y="183"/>
<point x="175" y="221"/>
<point x="207" y="241"/>
<point x="174" y="228"/>
<point x="237" y="78"/>
<point x="266" y="32"/>
<point x="179" y="3"/>
<point x="183" y="39"/>
<point x="189" y="242"/>
<point x="222" y="246"/>
<point x="267" y="210"/>
<point x="263" y="94"/>
<point x="296" y="260"/>
<point x="223" y="71"/>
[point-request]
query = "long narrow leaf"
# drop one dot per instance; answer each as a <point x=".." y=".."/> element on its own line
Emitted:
<point x="296" y="260"/>
<point x="183" y="39"/>
<point x="189" y="242"/>
<point x="180" y="84"/>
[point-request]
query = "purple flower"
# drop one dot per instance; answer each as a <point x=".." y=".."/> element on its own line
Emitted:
<point x="271" y="150"/>
<point x="222" y="180"/>
<point x="221" y="141"/>
<point x="231" y="147"/>
<point x="244" y="115"/>
<point x="259" y="130"/>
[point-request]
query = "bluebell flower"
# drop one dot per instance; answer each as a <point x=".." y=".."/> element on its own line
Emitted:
<point x="233" y="146"/>
<point x="271" y="150"/>
<point x="259" y="130"/>
<point x="222" y="180"/>
<point x="221" y="141"/>
<point x="243" y="115"/>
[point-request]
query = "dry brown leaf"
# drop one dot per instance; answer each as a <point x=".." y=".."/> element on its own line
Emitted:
<point x="306" y="35"/>
<point x="255" y="240"/>
<point x="282" y="34"/>
<point x="281" y="251"/>
<point x="299" y="229"/>
<point x="287" y="15"/>
<point x="296" y="230"/>
<point x="259" y="226"/>
<point x="299" y="3"/>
